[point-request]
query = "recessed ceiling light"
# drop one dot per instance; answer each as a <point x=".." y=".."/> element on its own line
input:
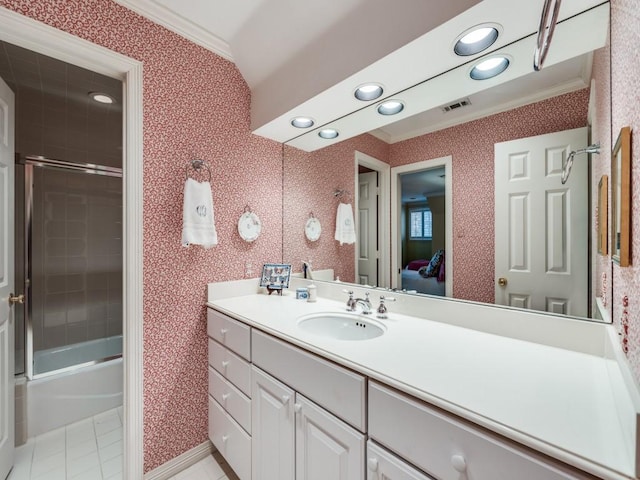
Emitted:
<point x="328" y="133"/>
<point x="390" y="107"/>
<point x="368" y="92"/>
<point x="102" y="97"/>
<point x="489" y="68"/>
<point x="476" y="39"/>
<point x="302" y="122"/>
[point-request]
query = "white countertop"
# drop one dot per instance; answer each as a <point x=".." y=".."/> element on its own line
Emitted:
<point x="560" y="402"/>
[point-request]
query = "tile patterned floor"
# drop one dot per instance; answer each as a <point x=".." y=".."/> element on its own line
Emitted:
<point x="90" y="449"/>
<point x="213" y="467"/>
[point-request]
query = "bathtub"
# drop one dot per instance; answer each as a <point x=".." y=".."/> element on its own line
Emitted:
<point x="59" y="399"/>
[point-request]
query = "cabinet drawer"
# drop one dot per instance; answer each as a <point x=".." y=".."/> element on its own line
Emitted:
<point x="232" y="442"/>
<point x="383" y="465"/>
<point x="229" y="332"/>
<point x="445" y="447"/>
<point x="236" y="403"/>
<point x="230" y="366"/>
<point x="335" y="388"/>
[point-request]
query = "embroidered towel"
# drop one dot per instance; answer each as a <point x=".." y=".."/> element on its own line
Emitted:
<point x="345" y="226"/>
<point x="198" y="227"/>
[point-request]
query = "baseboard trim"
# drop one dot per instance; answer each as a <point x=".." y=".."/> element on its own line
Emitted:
<point x="181" y="462"/>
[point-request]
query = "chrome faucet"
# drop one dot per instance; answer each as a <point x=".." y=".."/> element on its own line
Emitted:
<point x="351" y="303"/>
<point x="365" y="303"/>
<point x="382" y="309"/>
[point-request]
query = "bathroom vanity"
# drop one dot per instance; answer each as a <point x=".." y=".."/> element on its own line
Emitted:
<point x="423" y="399"/>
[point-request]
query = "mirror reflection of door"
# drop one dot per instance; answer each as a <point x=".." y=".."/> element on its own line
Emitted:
<point x="541" y="225"/>
<point x="368" y="243"/>
<point x="422" y="231"/>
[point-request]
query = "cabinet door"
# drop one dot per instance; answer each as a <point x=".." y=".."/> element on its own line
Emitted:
<point x="326" y="447"/>
<point x="383" y="465"/>
<point x="273" y="428"/>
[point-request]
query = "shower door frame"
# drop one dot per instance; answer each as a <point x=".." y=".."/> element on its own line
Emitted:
<point x="30" y="162"/>
<point x="42" y="38"/>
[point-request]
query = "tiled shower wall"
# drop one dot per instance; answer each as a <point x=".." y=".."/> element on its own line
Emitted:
<point x="77" y="257"/>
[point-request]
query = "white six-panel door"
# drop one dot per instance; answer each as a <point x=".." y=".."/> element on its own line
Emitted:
<point x="541" y="225"/>
<point x="6" y="278"/>
<point x="368" y="228"/>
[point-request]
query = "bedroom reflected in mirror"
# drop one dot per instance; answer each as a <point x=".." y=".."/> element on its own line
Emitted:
<point x="621" y="198"/>
<point x="602" y="219"/>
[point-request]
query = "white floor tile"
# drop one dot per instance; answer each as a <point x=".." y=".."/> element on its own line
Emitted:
<point x="45" y="465"/>
<point x="93" y="474"/>
<point x="80" y="465"/>
<point x="112" y="467"/>
<point x="109" y="438"/>
<point x="111" y="451"/>
<point x="81" y="449"/>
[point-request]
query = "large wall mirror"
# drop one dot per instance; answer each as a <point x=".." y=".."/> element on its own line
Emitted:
<point x="429" y="193"/>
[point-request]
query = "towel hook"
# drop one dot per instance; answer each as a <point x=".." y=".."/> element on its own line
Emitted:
<point x="339" y="193"/>
<point x="197" y="165"/>
<point x="247" y="209"/>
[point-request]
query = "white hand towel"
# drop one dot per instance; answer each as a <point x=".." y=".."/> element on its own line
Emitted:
<point x="198" y="226"/>
<point x="345" y="226"/>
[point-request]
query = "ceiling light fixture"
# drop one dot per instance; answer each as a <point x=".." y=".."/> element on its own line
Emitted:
<point x="476" y="39"/>
<point x="390" y="107"/>
<point x="489" y="67"/>
<point x="102" y="98"/>
<point x="328" y="133"/>
<point x="368" y="92"/>
<point x="302" y="122"/>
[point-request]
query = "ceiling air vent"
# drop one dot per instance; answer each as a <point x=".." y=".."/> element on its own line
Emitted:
<point x="465" y="102"/>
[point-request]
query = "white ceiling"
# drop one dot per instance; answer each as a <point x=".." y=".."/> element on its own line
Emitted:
<point x="305" y="58"/>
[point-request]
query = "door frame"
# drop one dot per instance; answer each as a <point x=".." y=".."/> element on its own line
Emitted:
<point x="384" y="237"/>
<point x="38" y="37"/>
<point x="396" y="217"/>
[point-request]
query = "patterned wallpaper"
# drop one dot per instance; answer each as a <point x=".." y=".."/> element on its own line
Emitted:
<point x="625" y="98"/>
<point x="309" y="182"/>
<point x="196" y="105"/>
<point x="471" y="146"/>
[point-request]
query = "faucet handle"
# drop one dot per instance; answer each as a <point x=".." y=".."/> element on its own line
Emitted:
<point x="351" y="303"/>
<point x="382" y="308"/>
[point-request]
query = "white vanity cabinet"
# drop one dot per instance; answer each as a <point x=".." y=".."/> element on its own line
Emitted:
<point x="383" y="465"/>
<point x="293" y="436"/>
<point x="273" y="418"/>
<point x="230" y="390"/>
<point x="449" y="448"/>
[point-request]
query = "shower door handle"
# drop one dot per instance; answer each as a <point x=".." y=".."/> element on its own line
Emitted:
<point x="13" y="299"/>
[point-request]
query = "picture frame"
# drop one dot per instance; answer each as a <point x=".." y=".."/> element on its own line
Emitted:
<point x="275" y="276"/>
<point x="603" y="211"/>
<point x="621" y="198"/>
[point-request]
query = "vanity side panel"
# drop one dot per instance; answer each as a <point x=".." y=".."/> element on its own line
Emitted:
<point x="335" y="388"/>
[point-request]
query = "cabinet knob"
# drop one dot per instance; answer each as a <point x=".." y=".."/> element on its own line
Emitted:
<point x="373" y="464"/>
<point x="225" y="396"/>
<point x="225" y="438"/>
<point x="225" y="364"/>
<point x="459" y="463"/>
<point x="223" y="331"/>
<point x="285" y="399"/>
<point x="297" y="407"/>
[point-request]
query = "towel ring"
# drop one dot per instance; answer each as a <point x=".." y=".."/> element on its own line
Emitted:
<point x="197" y="165"/>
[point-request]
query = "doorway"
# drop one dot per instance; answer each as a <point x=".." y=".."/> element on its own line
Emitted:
<point x="421" y="227"/>
<point x="27" y="33"/>
<point x="372" y="239"/>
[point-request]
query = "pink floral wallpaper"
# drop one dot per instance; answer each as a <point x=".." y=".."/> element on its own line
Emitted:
<point x="625" y="98"/>
<point x="471" y="146"/>
<point x="196" y="105"/>
<point x="309" y="182"/>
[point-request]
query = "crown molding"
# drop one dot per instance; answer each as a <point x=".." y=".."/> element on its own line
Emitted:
<point x="180" y="25"/>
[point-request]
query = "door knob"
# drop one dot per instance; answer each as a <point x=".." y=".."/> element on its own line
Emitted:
<point x="502" y="281"/>
<point x="13" y="299"/>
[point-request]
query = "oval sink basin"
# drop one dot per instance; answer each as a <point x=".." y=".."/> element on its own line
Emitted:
<point x="341" y="326"/>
